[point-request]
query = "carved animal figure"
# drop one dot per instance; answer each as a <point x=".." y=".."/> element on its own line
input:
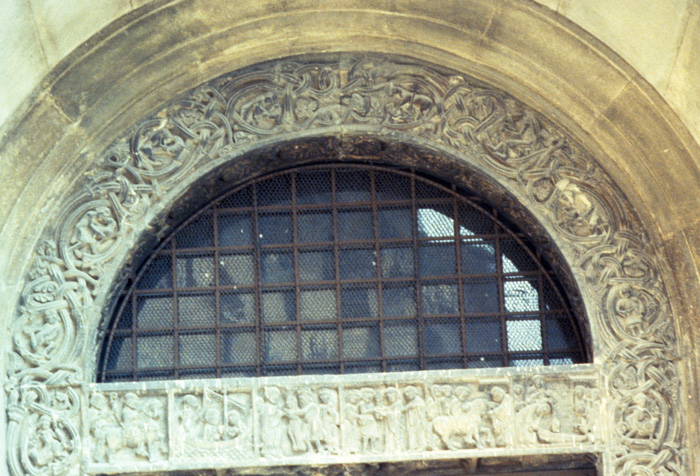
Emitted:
<point x="449" y="427"/>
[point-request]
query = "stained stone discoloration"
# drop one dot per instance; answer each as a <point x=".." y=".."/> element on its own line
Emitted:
<point x="216" y="124"/>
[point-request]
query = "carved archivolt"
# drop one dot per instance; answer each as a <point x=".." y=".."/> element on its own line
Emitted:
<point x="141" y="174"/>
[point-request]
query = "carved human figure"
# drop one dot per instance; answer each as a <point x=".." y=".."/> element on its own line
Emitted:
<point x="434" y="405"/>
<point x="46" y="445"/>
<point x="415" y="419"/>
<point x="369" y="427"/>
<point x="500" y="415"/>
<point x="272" y="426"/>
<point x="212" y="429"/>
<point x="329" y="419"/>
<point x="95" y="232"/>
<point x="310" y="413"/>
<point x="460" y="429"/>
<point x="537" y="425"/>
<point x="44" y="335"/>
<point x="641" y="419"/>
<point x="141" y="425"/>
<point x="351" y="429"/>
<point x="295" y="426"/>
<point x="577" y="212"/>
<point x="105" y="428"/>
<point x="235" y="428"/>
<point x="631" y="310"/>
<point x="154" y="436"/>
<point x="392" y="414"/>
<point x="190" y="413"/>
<point x="449" y="403"/>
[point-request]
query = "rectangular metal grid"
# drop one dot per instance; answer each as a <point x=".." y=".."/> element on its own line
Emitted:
<point x="340" y="269"/>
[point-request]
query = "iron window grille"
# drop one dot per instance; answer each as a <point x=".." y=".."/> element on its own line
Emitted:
<point x="340" y="268"/>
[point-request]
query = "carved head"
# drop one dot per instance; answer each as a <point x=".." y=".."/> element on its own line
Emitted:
<point x="392" y="394"/>
<point x="131" y="400"/>
<point x="497" y="394"/>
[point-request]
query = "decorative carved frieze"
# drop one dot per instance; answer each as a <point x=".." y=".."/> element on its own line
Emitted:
<point x="594" y="225"/>
<point x="287" y="420"/>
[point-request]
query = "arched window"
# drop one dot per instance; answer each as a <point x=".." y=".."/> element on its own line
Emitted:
<point x="340" y="268"/>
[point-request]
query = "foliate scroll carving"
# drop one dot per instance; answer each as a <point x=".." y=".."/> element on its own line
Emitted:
<point x="43" y="429"/>
<point x="140" y="174"/>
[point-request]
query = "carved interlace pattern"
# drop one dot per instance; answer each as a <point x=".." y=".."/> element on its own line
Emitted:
<point x="139" y="175"/>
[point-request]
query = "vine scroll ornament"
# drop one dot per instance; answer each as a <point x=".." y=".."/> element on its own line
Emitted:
<point x="141" y="174"/>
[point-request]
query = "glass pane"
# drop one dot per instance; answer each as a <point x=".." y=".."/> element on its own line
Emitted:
<point x="400" y="338"/>
<point x="524" y="335"/>
<point x="398" y="301"/>
<point x="154" y="311"/>
<point x="275" y="228"/>
<point x="237" y="308"/>
<point x="355" y="224"/>
<point x="279" y="346"/>
<point x="352" y="186"/>
<point x="435" y="222"/>
<point x="195" y="270"/>
<point x="158" y="275"/>
<point x="277" y="266"/>
<point x="314" y="187"/>
<point x="236" y="269"/>
<point x="314" y="227"/>
<point x="521" y="296"/>
<point x="196" y="310"/>
<point x="361" y="341"/>
<point x="437" y="259"/>
<point x="358" y="302"/>
<point x="483" y="335"/>
<point x="197" y="349"/>
<point x="397" y="261"/>
<point x="319" y="343"/>
<point x="198" y="234"/>
<point x="316" y="265"/>
<point x="479" y="257"/>
<point x="235" y="229"/>
<point x="317" y="304"/>
<point x="238" y="347"/>
<point x="480" y="296"/>
<point x="155" y="351"/>
<point x="278" y="306"/>
<point x="395" y="223"/>
<point x="443" y="337"/>
<point x="440" y="299"/>
<point x="357" y="263"/>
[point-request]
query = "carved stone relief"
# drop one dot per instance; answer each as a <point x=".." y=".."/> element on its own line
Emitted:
<point x="213" y="423"/>
<point x="286" y="420"/>
<point x="595" y="227"/>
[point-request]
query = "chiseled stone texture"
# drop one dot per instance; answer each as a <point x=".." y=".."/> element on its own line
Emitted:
<point x="657" y="40"/>
<point x="279" y="421"/>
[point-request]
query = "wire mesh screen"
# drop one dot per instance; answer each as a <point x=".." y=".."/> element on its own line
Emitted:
<point x="340" y="268"/>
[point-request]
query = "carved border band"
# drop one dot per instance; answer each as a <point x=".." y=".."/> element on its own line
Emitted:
<point x="595" y="227"/>
<point x="287" y="421"/>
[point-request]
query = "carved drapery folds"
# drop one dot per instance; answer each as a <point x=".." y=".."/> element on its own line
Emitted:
<point x="284" y="421"/>
<point x="587" y="215"/>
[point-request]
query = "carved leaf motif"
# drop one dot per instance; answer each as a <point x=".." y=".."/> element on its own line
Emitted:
<point x="538" y="160"/>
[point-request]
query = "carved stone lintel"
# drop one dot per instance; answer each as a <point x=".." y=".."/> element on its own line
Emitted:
<point x="286" y="420"/>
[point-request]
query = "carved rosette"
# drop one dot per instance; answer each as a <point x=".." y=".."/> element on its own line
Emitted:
<point x="586" y="214"/>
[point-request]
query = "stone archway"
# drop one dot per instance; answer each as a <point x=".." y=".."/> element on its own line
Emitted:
<point x="141" y="175"/>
